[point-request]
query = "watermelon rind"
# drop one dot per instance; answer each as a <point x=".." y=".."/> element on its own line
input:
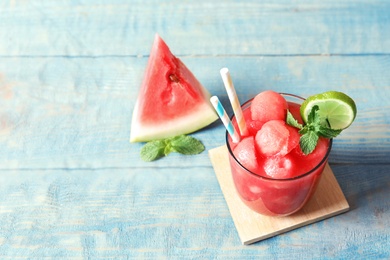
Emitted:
<point x="198" y="119"/>
<point x="158" y="125"/>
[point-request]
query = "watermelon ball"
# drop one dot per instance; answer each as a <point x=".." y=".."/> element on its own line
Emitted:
<point x="252" y="125"/>
<point x="245" y="153"/>
<point x="293" y="139"/>
<point x="276" y="138"/>
<point x="279" y="167"/>
<point x="269" y="105"/>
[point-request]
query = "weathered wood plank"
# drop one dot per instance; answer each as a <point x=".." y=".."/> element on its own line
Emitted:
<point x="73" y="187"/>
<point x="76" y="113"/>
<point x="173" y="212"/>
<point x="121" y="28"/>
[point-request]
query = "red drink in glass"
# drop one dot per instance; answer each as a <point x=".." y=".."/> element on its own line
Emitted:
<point x="266" y="194"/>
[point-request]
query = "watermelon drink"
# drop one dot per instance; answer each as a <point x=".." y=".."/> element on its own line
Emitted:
<point x="271" y="173"/>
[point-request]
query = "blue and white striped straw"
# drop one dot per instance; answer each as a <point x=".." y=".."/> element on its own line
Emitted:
<point x="225" y="119"/>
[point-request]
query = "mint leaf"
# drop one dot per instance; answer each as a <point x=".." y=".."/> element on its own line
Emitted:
<point x="313" y="116"/>
<point x="153" y="150"/>
<point x="308" y="142"/>
<point x="168" y="148"/>
<point x="290" y="120"/>
<point x="327" y="132"/>
<point x="183" y="144"/>
<point x="187" y="145"/>
<point x="311" y="132"/>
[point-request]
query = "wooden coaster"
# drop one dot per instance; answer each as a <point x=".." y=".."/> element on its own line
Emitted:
<point x="252" y="227"/>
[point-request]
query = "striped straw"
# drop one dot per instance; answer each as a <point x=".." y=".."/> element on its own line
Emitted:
<point x="227" y="80"/>
<point x="225" y="119"/>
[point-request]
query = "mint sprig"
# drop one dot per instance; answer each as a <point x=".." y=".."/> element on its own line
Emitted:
<point x="312" y="130"/>
<point x="292" y="121"/>
<point x="183" y="144"/>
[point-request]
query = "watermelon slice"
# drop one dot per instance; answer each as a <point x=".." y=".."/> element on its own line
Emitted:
<point x="171" y="100"/>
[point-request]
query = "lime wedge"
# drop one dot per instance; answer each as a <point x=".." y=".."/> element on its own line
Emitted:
<point x="336" y="109"/>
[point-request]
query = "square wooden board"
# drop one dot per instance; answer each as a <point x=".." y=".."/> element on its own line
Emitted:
<point x="252" y="227"/>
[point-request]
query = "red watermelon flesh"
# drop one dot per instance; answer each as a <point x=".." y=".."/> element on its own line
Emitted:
<point x="171" y="100"/>
<point x="245" y="153"/>
<point x="269" y="105"/>
<point x="276" y="138"/>
<point x="280" y="167"/>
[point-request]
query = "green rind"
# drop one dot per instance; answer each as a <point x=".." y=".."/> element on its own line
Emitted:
<point x="199" y="118"/>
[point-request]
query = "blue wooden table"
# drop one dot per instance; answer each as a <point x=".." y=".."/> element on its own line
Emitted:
<point x="72" y="186"/>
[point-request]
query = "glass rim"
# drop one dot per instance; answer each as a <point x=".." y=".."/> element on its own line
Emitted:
<point x="274" y="179"/>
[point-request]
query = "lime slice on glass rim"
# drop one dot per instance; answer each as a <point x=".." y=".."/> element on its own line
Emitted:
<point x="336" y="109"/>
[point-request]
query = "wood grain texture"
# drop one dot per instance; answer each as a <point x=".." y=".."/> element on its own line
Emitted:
<point x="73" y="187"/>
<point x="171" y="213"/>
<point x="96" y="28"/>
<point x="76" y="113"/>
